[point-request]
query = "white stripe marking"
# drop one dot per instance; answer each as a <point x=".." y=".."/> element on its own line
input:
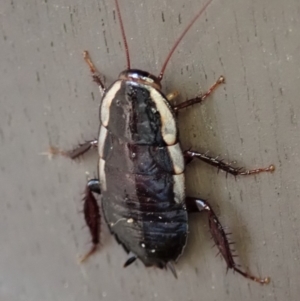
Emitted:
<point x="102" y="177"/>
<point x="168" y="127"/>
<point x="101" y="141"/>
<point x="107" y="100"/>
<point x="179" y="188"/>
<point x="175" y="153"/>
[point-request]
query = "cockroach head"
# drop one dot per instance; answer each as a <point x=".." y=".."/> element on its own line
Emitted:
<point x="141" y="77"/>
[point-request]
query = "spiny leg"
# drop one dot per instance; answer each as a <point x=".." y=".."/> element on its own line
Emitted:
<point x="95" y="73"/>
<point x="92" y="215"/>
<point x="220" y="164"/>
<point x="74" y="153"/>
<point x="171" y="267"/>
<point x="131" y="258"/>
<point x="199" y="99"/>
<point x="82" y="148"/>
<point x="219" y="236"/>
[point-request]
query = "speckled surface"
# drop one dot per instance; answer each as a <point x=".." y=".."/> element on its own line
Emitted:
<point x="48" y="97"/>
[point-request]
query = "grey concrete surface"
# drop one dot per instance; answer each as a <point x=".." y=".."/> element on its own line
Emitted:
<point x="47" y="97"/>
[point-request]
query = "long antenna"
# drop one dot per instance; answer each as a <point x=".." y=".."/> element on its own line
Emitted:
<point x="161" y="74"/>
<point x="123" y="33"/>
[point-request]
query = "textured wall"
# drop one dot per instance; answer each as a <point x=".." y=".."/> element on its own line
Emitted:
<point x="47" y="97"/>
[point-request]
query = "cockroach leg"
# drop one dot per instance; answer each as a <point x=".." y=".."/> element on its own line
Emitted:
<point x="74" y="153"/>
<point x="219" y="237"/>
<point x="171" y="267"/>
<point x="82" y="148"/>
<point x="92" y="215"/>
<point x="131" y="258"/>
<point x="199" y="99"/>
<point x="94" y="71"/>
<point x="227" y="167"/>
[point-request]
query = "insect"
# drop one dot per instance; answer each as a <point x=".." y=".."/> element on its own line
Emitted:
<point x="141" y="169"/>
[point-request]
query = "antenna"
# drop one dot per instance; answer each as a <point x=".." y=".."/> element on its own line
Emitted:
<point x="161" y="74"/>
<point x="123" y="34"/>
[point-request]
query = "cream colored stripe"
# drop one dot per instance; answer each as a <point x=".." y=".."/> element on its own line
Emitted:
<point x="101" y="141"/>
<point x="168" y="127"/>
<point x="102" y="176"/>
<point x="179" y="188"/>
<point x="176" y="155"/>
<point x="107" y="100"/>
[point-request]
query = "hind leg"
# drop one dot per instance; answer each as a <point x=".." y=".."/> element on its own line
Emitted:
<point x="92" y="215"/>
<point x="219" y="236"/>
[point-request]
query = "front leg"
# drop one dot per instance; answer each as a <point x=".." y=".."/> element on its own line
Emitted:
<point x="199" y="99"/>
<point x="189" y="155"/>
<point x="95" y="73"/>
<point x="219" y="236"/>
<point x="92" y="215"/>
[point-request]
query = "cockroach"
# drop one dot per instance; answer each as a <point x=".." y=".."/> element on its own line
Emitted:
<point x="141" y="169"/>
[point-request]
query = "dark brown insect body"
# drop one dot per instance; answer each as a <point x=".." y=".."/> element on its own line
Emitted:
<point x="139" y="148"/>
<point x="141" y="170"/>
